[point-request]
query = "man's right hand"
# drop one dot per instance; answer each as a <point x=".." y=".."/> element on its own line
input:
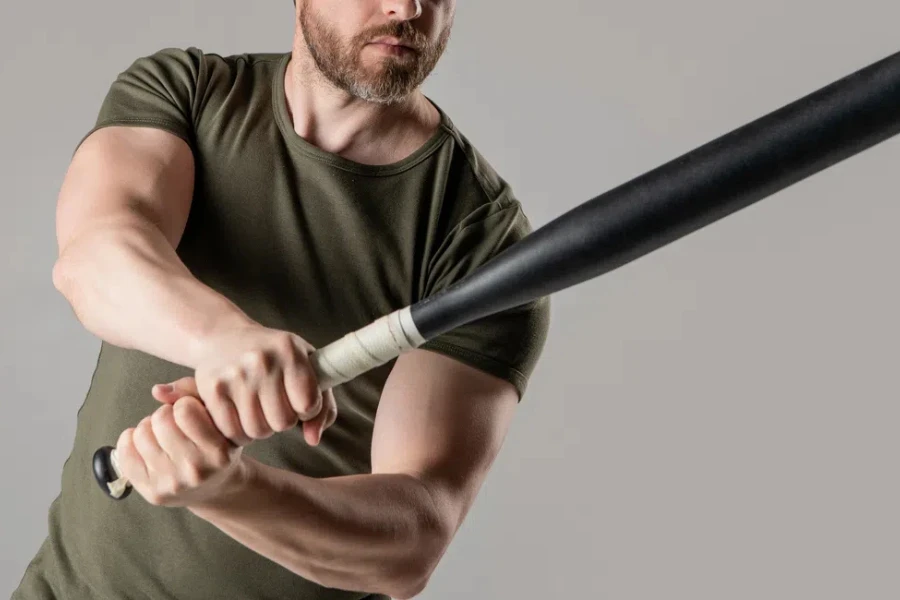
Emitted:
<point x="256" y="381"/>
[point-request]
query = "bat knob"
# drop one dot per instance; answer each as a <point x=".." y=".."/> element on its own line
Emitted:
<point x="105" y="473"/>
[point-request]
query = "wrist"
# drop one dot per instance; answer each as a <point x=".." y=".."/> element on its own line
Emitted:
<point x="230" y="491"/>
<point x="205" y="338"/>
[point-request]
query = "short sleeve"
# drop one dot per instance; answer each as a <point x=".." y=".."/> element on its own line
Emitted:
<point x="507" y="344"/>
<point x="158" y="90"/>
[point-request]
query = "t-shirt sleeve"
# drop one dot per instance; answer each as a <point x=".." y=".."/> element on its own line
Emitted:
<point x="507" y="344"/>
<point x="158" y="90"/>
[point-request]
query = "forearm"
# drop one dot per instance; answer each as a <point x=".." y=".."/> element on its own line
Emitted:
<point x="127" y="285"/>
<point x="374" y="533"/>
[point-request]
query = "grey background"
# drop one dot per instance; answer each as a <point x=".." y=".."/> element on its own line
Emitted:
<point x="715" y="420"/>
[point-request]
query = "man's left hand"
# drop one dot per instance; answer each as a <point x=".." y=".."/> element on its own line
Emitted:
<point x="177" y="456"/>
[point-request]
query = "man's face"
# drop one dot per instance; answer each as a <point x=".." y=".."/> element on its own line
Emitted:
<point x="377" y="50"/>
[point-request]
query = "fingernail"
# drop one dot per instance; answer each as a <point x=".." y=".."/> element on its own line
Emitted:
<point x="168" y="388"/>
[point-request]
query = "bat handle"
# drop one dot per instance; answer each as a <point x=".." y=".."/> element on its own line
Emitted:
<point x="338" y="362"/>
<point x="106" y="472"/>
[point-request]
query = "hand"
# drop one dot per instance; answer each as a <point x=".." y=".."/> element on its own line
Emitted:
<point x="256" y="381"/>
<point x="177" y="456"/>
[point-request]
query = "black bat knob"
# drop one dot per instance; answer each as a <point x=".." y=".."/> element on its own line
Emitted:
<point x="105" y="474"/>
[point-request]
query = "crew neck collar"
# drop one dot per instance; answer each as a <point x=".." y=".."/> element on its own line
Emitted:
<point x="282" y="116"/>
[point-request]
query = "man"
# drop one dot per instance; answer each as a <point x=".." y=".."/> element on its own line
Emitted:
<point x="224" y="217"/>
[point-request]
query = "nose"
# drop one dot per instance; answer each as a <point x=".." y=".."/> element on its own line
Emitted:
<point x="404" y="10"/>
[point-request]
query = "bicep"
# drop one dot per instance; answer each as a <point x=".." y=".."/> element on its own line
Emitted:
<point x="442" y="422"/>
<point x="127" y="173"/>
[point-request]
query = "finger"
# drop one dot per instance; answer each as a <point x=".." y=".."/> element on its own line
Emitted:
<point x="224" y="413"/>
<point x="145" y="442"/>
<point x="275" y="405"/>
<point x="300" y="384"/>
<point x="163" y="393"/>
<point x="215" y="449"/>
<point x="249" y="408"/>
<point x="171" y="392"/>
<point x="312" y="432"/>
<point x="172" y="440"/>
<point x="129" y="459"/>
<point x="315" y="428"/>
<point x="197" y="425"/>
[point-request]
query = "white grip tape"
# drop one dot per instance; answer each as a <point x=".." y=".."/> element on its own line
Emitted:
<point x="117" y="487"/>
<point x="342" y="360"/>
<point x="366" y="348"/>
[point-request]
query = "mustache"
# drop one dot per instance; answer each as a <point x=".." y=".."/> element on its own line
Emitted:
<point x="402" y="30"/>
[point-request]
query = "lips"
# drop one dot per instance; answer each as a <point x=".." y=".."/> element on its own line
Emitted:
<point x="389" y="41"/>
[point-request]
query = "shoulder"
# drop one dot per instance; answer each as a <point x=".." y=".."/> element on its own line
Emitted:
<point x="197" y="58"/>
<point x="476" y="191"/>
<point x="189" y="86"/>
<point x="194" y="68"/>
<point x="487" y="178"/>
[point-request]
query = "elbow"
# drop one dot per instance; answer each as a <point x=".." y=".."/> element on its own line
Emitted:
<point x="409" y="585"/>
<point x="61" y="276"/>
<point x="414" y="575"/>
<point x="68" y="284"/>
<point x="408" y="591"/>
<point x="66" y="281"/>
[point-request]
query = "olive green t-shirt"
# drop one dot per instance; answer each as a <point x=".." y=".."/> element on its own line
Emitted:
<point x="301" y="240"/>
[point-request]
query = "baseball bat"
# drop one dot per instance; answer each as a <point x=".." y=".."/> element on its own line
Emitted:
<point x="709" y="183"/>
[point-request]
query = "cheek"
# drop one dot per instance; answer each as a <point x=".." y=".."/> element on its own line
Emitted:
<point x="437" y="25"/>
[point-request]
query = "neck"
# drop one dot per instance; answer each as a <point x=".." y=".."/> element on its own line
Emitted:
<point x="355" y="129"/>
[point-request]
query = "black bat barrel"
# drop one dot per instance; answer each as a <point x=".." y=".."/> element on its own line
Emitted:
<point x="674" y="200"/>
<point x="679" y="197"/>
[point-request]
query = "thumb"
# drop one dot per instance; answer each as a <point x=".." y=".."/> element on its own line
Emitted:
<point x="315" y="428"/>
<point x="172" y="392"/>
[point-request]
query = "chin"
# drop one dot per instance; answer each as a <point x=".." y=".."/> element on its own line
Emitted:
<point x="367" y="93"/>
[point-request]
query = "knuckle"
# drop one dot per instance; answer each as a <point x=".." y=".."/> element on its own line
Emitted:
<point x="206" y="383"/>
<point x="186" y="410"/>
<point x="310" y="400"/>
<point x="220" y="388"/>
<point x="258" y="430"/>
<point x="234" y="373"/>
<point x="182" y="410"/>
<point x="162" y="415"/>
<point x="309" y="413"/>
<point x="161" y="423"/>
<point x="188" y="403"/>
<point x="161" y="491"/>
<point x="315" y="402"/>
<point x="258" y="360"/>
<point x="143" y="432"/>
<point x="286" y="422"/>
<point x="125" y="441"/>
<point x="172" y="487"/>
<point x="231" y="428"/>
<point x="220" y="458"/>
<point x="284" y="342"/>
<point x="304" y="411"/>
<point x="193" y="475"/>
<point x="280" y="423"/>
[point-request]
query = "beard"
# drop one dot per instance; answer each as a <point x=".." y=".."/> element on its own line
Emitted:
<point x="386" y="80"/>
